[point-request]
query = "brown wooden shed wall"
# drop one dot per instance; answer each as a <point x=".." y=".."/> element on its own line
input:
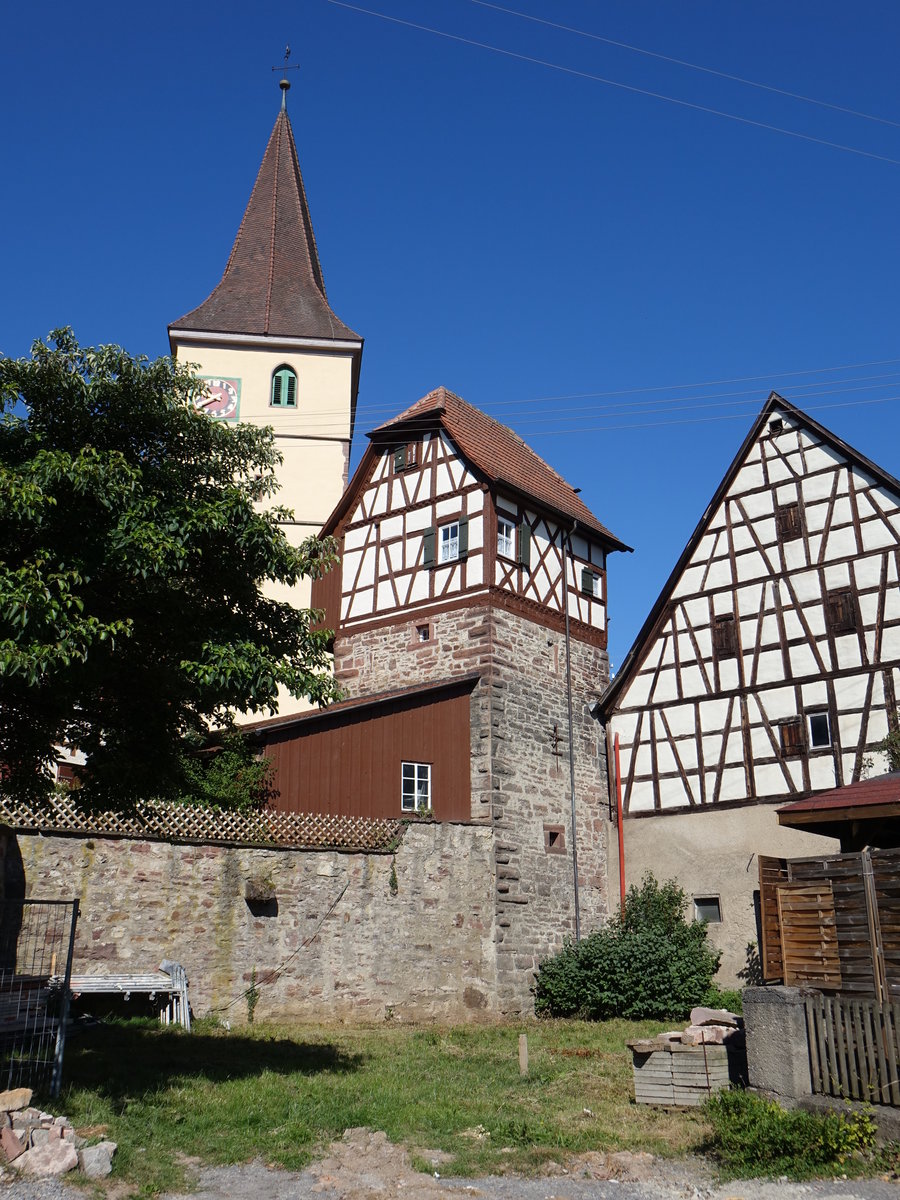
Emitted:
<point x="349" y="763"/>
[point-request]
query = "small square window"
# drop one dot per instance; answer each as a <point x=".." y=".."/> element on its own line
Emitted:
<point x="406" y="456"/>
<point x="707" y="909"/>
<point x="819" y="730"/>
<point x="788" y="521"/>
<point x="423" y="633"/>
<point x="554" y="839"/>
<point x="450" y="542"/>
<point x="590" y="583"/>
<point x="415" y="787"/>
<point x="506" y="537"/>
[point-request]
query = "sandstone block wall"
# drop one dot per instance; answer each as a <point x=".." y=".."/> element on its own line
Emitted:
<point x="426" y="952"/>
<point x="519" y="765"/>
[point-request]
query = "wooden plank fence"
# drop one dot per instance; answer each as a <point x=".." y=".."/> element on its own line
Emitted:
<point x="853" y="1049"/>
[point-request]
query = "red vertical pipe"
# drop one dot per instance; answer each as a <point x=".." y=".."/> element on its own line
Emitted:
<point x="619" y="824"/>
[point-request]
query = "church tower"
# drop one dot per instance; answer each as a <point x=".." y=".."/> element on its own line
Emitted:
<point x="271" y="349"/>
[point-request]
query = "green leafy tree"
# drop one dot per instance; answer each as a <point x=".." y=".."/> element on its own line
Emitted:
<point x="649" y="961"/>
<point x="134" y="546"/>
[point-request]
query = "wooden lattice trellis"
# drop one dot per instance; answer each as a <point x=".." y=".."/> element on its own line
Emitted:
<point x="163" y="821"/>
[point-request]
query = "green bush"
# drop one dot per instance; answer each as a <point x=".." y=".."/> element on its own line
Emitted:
<point x="752" y="1136"/>
<point x="648" y="962"/>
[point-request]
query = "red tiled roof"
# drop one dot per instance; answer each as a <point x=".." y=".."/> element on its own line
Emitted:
<point x="884" y="789"/>
<point x="273" y="283"/>
<point x="498" y="453"/>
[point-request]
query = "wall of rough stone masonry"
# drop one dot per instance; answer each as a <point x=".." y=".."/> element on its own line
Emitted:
<point x="426" y="952"/>
<point x="520" y="765"/>
<point x="530" y="778"/>
<point x="390" y="656"/>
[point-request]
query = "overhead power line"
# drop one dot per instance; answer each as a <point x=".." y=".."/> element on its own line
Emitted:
<point x="628" y="87"/>
<point x="680" y="62"/>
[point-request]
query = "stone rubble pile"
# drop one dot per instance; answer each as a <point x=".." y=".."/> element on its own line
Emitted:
<point x="37" y="1143"/>
<point x="710" y="1026"/>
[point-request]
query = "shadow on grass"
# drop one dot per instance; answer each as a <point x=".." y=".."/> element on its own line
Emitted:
<point x="129" y="1060"/>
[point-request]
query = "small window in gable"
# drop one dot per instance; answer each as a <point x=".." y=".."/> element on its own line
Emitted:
<point x="415" y="787"/>
<point x="284" y="388"/>
<point x="819" y="730"/>
<point x="840" y="611"/>
<point x="590" y="583"/>
<point x="406" y="456"/>
<point x="724" y="639"/>
<point x="788" y="521"/>
<point x="793" y="743"/>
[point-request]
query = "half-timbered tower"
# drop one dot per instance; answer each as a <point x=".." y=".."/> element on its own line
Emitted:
<point x="464" y="556"/>
<point x="270" y="347"/>
<point x="766" y="671"/>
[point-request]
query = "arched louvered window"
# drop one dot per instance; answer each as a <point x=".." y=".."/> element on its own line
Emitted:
<point x="284" y="388"/>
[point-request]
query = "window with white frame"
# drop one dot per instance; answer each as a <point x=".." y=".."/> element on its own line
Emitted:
<point x="415" y="787"/>
<point x="506" y="537"/>
<point x="449" y="542"/>
<point x="590" y="583"/>
<point x="819" y="730"/>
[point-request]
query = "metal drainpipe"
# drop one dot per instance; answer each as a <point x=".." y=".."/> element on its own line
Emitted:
<point x="567" y="551"/>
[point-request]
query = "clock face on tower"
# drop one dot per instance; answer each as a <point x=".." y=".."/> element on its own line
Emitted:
<point x="221" y="398"/>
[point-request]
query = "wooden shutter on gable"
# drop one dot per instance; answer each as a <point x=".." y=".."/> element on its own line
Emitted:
<point x="463" y="537"/>
<point x="840" y="610"/>
<point x="772" y="871"/>
<point x="428" y="547"/>
<point x="724" y="640"/>
<point x="399" y="458"/>
<point x="524" y="554"/>
<point x="788" y="522"/>
<point x="793" y="738"/>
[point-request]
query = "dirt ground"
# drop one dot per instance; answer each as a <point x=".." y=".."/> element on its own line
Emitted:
<point x="364" y="1165"/>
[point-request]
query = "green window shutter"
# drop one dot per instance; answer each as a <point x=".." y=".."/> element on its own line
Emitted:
<point x="400" y="458"/>
<point x="284" y="388"/>
<point x="525" y="545"/>
<point x="463" y="536"/>
<point x="587" y="581"/>
<point x="428" y="542"/>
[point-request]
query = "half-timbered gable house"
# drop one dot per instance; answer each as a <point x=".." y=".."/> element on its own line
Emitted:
<point x="766" y="671"/>
<point x="472" y="578"/>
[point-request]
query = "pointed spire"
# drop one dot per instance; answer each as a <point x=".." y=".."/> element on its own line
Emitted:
<point x="273" y="284"/>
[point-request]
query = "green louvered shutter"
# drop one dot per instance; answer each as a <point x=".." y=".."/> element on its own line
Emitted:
<point x="587" y="581"/>
<point x="276" y="389"/>
<point x="428" y="543"/>
<point x="291" y="390"/>
<point x="463" y="537"/>
<point x="524" y="557"/>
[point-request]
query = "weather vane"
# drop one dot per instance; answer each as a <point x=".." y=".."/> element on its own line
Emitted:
<point x="284" y="82"/>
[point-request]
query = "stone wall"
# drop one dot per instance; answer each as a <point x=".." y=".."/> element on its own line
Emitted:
<point x="426" y="951"/>
<point x="519" y="765"/>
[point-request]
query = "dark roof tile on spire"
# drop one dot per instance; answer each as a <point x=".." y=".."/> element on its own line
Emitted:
<point x="273" y="284"/>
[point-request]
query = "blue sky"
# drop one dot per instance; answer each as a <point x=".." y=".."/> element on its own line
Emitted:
<point x="620" y="277"/>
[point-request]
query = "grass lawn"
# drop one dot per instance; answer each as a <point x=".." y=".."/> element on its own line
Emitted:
<point x="279" y="1092"/>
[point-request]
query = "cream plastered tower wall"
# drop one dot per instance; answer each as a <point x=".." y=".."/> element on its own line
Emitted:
<point x="313" y="438"/>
